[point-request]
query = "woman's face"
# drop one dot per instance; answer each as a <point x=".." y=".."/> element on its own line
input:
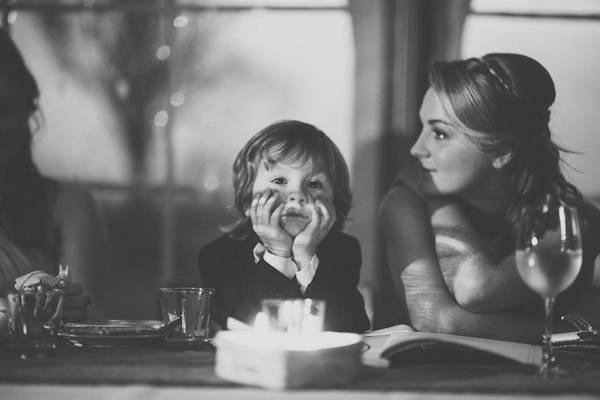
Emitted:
<point x="450" y="163"/>
<point x="14" y="118"/>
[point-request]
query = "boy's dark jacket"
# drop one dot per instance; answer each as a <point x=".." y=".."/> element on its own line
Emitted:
<point x="240" y="284"/>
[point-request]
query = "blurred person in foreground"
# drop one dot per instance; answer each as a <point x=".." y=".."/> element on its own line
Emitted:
<point x="43" y="223"/>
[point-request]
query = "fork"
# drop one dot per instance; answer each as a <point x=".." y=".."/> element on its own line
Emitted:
<point x="34" y="278"/>
<point x="580" y="323"/>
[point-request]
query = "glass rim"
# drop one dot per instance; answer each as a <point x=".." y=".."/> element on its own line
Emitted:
<point x="276" y="300"/>
<point x="186" y="289"/>
<point x="549" y="206"/>
<point x="31" y="289"/>
<point x="572" y="211"/>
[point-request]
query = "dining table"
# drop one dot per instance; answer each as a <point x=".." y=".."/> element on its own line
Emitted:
<point x="153" y="371"/>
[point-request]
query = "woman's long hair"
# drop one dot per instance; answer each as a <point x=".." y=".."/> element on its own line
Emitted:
<point x="502" y="103"/>
<point x="22" y="196"/>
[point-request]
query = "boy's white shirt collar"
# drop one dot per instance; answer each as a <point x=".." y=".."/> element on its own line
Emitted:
<point x="287" y="267"/>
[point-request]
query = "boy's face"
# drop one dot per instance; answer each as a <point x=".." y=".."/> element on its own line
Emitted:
<point x="298" y="189"/>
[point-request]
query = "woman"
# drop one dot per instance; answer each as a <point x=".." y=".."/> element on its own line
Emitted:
<point x="42" y="223"/>
<point x="484" y="152"/>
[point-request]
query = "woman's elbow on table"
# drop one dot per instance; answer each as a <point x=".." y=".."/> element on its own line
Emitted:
<point x="470" y="296"/>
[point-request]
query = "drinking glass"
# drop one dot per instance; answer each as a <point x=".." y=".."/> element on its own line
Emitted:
<point x="186" y="311"/>
<point x="548" y="258"/>
<point x="35" y="318"/>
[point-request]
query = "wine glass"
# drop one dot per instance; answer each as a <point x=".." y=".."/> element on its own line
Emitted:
<point x="548" y="258"/>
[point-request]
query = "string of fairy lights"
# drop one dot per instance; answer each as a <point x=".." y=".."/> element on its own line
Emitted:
<point x="163" y="52"/>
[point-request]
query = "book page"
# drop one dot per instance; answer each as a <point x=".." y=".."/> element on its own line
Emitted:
<point x="385" y="343"/>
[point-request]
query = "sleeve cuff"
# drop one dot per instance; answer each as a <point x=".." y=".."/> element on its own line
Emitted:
<point x="284" y="265"/>
<point x="306" y="274"/>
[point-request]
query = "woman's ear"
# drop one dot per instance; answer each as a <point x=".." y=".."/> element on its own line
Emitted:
<point x="502" y="158"/>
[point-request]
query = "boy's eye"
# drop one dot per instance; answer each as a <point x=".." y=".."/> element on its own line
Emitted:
<point x="279" y="181"/>
<point x="314" y="185"/>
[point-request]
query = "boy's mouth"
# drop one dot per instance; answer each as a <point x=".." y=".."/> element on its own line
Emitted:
<point x="294" y="213"/>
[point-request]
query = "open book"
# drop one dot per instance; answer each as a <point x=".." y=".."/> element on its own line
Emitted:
<point x="385" y="344"/>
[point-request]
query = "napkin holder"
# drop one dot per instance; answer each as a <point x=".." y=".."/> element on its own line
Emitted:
<point x="278" y="361"/>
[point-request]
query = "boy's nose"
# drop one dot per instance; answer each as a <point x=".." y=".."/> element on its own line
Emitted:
<point x="297" y="196"/>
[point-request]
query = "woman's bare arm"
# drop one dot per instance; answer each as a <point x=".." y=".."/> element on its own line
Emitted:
<point x="476" y="276"/>
<point x="84" y="247"/>
<point x="418" y="278"/>
<point x="480" y="280"/>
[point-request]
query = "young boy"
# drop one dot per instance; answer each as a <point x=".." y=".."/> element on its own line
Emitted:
<point x="292" y="190"/>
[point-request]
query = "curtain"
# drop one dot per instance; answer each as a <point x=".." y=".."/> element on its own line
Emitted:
<point x="395" y="42"/>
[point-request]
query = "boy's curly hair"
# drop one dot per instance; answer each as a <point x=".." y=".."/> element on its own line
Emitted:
<point x="291" y="141"/>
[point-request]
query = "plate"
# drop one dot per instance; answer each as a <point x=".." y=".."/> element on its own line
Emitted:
<point x="112" y="333"/>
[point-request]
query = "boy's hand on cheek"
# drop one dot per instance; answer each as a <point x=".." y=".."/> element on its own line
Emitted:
<point x="306" y="243"/>
<point x="265" y="222"/>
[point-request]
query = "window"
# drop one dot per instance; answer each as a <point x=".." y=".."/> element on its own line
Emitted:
<point x="166" y="92"/>
<point x="232" y="70"/>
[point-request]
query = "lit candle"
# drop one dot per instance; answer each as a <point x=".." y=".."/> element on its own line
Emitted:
<point x="284" y="314"/>
<point x="261" y="323"/>
<point x="297" y="317"/>
<point x="294" y="316"/>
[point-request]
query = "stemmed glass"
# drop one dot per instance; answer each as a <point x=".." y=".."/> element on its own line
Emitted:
<point x="548" y="259"/>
